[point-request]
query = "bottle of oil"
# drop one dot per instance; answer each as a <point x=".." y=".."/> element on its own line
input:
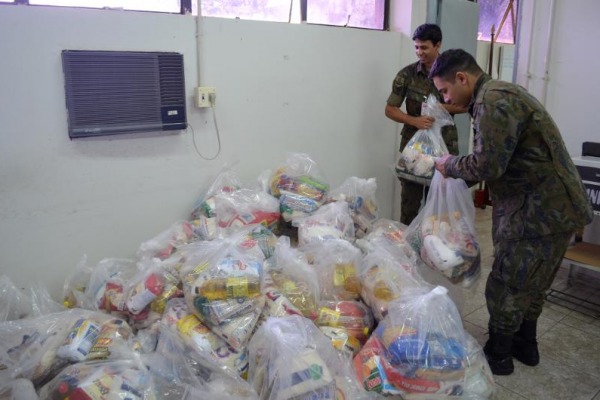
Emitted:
<point x="229" y="288"/>
<point x="344" y="277"/>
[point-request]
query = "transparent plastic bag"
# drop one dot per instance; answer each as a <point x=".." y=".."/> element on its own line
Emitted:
<point x="360" y="194"/>
<point x="290" y="358"/>
<point x="337" y="263"/>
<point x="443" y="233"/>
<point x="14" y="304"/>
<point x="420" y="349"/>
<point x="351" y="315"/>
<point x="180" y="371"/>
<point x="385" y="274"/>
<point x="166" y="242"/>
<point x="226" y="181"/>
<point x="418" y="156"/>
<point x="107" y="289"/>
<point x="222" y="286"/>
<point x="203" y="216"/>
<point x="122" y="379"/>
<point x="290" y="275"/>
<point x="299" y="186"/>
<point x="331" y="221"/>
<point x="180" y="319"/>
<point x="28" y="347"/>
<point x="75" y="284"/>
<point x="246" y="207"/>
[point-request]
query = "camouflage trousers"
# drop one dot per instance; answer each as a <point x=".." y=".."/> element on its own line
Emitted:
<point x="522" y="272"/>
<point x="410" y="203"/>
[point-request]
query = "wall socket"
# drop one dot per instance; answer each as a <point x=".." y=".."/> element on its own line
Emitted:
<point x="204" y="96"/>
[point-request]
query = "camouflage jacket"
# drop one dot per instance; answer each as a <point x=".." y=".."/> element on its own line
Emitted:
<point x="413" y="84"/>
<point x="518" y="150"/>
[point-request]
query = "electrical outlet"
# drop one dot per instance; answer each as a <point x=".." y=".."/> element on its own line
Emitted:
<point x="204" y="95"/>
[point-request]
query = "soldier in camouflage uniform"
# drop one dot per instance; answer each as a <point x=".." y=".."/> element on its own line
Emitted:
<point x="538" y="198"/>
<point x="413" y="85"/>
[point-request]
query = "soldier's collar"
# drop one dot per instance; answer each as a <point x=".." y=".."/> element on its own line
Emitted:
<point x="421" y="68"/>
<point x="480" y="81"/>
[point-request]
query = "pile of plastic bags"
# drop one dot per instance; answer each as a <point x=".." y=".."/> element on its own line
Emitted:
<point x="284" y="290"/>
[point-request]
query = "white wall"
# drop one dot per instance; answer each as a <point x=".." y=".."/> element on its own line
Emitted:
<point x="280" y="87"/>
<point x="573" y="63"/>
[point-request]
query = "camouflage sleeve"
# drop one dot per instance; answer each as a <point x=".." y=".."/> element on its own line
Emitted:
<point x="399" y="87"/>
<point x="495" y="138"/>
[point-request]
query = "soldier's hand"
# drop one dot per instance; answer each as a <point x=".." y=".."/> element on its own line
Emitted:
<point x="423" y="122"/>
<point x="440" y="163"/>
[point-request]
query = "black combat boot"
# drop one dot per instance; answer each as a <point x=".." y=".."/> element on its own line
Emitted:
<point x="525" y="344"/>
<point x="498" y="352"/>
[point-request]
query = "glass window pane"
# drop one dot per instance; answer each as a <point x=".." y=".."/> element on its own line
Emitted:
<point x="263" y="10"/>
<point x="171" y="6"/>
<point x="492" y="12"/>
<point x="354" y="13"/>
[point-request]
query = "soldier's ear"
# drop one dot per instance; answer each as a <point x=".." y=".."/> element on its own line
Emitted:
<point x="461" y="77"/>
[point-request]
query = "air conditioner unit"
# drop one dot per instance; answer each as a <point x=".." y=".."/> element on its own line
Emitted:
<point x="112" y="92"/>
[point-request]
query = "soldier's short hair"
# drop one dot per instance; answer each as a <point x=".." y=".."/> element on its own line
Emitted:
<point x="452" y="61"/>
<point x="428" y="32"/>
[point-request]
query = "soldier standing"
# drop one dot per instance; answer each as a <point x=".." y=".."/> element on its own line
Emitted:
<point x="537" y="195"/>
<point x="413" y="84"/>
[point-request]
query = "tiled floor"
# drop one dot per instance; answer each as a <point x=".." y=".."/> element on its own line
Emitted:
<point x="569" y="341"/>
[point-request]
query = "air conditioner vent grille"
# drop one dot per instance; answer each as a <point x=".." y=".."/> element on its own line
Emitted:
<point x="109" y="92"/>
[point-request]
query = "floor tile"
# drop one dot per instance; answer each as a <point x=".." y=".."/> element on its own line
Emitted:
<point x="551" y="379"/>
<point x="471" y="302"/>
<point x="572" y="348"/>
<point x="582" y="322"/>
<point x="480" y="334"/>
<point x="502" y="393"/>
<point x="555" y="311"/>
<point x="479" y="317"/>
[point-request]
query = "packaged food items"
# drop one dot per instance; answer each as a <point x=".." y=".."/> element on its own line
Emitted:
<point x="286" y="361"/>
<point x="79" y="341"/>
<point x="385" y="273"/>
<point x="229" y="288"/>
<point x="341" y="339"/>
<point x="360" y="196"/>
<point x="246" y="207"/>
<point x="353" y="316"/>
<point x="443" y="233"/>
<point x="111" y="297"/>
<point x="163" y="245"/>
<point x="419" y="349"/>
<point x="331" y="221"/>
<point x="113" y="336"/>
<point x="337" y="264"/>
<point x="299" y="186"/>
<point x="199" y="336"/>
<point x="142" y="294"/>
<point x="121" y="379"/>
<point x="418" y="156"/>
<point x="108" y="284"/>
<point x="298" y="292"/>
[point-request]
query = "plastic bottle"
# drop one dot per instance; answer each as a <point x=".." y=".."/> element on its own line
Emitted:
<point x="145" y="292"/>
<point x="382" y="291"/>
<point x="229" y="288"/>
<point x="344" y="276"/>
<point x="79" y="341"/>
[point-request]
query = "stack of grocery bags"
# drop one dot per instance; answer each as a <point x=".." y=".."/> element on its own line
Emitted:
<point x="284" y="290"/>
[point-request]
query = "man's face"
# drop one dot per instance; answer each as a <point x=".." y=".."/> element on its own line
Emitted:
<point x="457" y="93"/>
<point x="426" y="51"/>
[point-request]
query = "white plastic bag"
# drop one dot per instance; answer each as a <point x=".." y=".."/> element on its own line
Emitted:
<point x="418" y="156"/>
<point x="443" y="233"/>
